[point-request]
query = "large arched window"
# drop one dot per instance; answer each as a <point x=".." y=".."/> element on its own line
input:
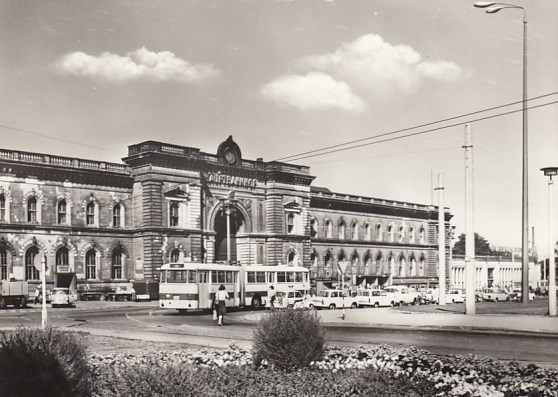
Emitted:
<point x="62" y="260"/>
<point x="354" y="263"/>
<point x="31" y="273"/>
<point x="32" y="209"/>
<point x="412" y="234"/>
<point x="61" y="212"/>
<point x="354" y="229"/>
<point x="401" y="233"/>
<point x="391" y="233"/>
<point x="422" y="265"/>
<point x="379" y="268"/>
<point x="402" y="264"/>
<point x="328" y="229"/>
<point x="91" y="265"/>
<point x="342" y="228"/>
<point x="379" y="232"/>
<point x="367" y="232"/>
<point x="313" y="228"/>
<point x="3" y="264"/>
<point x="367" y="260"/>
<point x="422" y="235"/>
<point x="327" y="264"/>
<point x="116" y="269"/>
<point x="413" y="266"/>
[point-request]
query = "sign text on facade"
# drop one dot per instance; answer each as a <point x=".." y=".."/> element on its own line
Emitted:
<point x="217" y="177"/>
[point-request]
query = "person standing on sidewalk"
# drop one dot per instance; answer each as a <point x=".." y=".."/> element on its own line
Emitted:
<point x="222" y="296"/>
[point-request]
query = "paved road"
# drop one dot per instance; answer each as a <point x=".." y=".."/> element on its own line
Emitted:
<point x="147" y="322"/>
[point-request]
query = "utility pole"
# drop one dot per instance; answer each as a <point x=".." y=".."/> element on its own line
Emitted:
<point x="470" y="267"/>
<point x="441" y="242"/>
<point x="44" y="318"/>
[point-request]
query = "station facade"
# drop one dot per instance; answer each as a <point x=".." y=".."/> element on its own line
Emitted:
<point x="107" y="223"/>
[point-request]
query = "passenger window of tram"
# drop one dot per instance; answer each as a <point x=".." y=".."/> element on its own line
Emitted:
<point x="220" y="277"/>
<point x="281" y="278"/>
<point x="251" y="277"/>
<point x="178" y="276"/>
<point x="260" y="277"/>
<point x="290" y="277"/>
<point x="229" y="277"/>
<point x="299" y="277"/>
<point x="203" y="276"/>
<point x="270" y="277"/>
<point x="192" y="275"/>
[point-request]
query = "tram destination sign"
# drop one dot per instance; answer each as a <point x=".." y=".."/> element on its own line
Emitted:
<point x="231" y="180"/>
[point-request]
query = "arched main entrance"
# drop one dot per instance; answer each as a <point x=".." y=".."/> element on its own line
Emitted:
<point x="237" y="224"/>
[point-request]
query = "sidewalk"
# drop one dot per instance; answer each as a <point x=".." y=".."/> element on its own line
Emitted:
<point x="387" y="318"/>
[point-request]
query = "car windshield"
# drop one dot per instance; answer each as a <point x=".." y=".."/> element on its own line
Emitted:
<point x="323" y="294"/>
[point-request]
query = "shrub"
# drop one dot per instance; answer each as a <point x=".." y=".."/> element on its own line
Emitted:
<point x="45" y="363"/>
<point x="289" y="339"/>
<point x="159" y="380"/>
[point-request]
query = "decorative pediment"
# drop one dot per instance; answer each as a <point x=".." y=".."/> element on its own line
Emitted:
<point x="292" y="206"/>
<point x="177" y="193"/>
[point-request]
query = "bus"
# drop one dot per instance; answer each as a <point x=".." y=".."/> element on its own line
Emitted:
<point x="256" y="281"/>
<point x="188" y="286"/>
<point x="192" y="285"/>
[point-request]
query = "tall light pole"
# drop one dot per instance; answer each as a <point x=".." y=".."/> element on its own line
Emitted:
<point x="550" y="172"/>
<point x="492" y="8"/>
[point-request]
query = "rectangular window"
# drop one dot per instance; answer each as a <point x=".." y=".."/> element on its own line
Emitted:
<point x="62" y="212"/>
<point x="260" y="277"/>
<point x="203" y="276"/>
<point x="173" y="214"/>
<point x="290" y="223"/>
<point x="299" y="277"/>
<point x="2" y="208"/>
<point x="90" y="214"/>
<point x="251" y="277"/>
<point x="290" y="277"/>
<point x="192" y="275"/>
<point x="281" y="277"/>
<point x="32" y="211"/>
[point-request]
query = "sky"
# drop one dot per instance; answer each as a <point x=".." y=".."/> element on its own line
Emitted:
<point x="87" y="79"/>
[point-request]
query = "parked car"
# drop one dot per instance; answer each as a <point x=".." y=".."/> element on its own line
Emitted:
<point x="455" y="296"/>
<point x="403" y="295"/>
<point x="292" y="299"/>
<point x="495" y="295"/>
<point x="515" y="295"/>
<point x="428" y="296"/>
<point x="333" y="299"/>
<point x="63" y="297"/>
<point x="375" y="298"/>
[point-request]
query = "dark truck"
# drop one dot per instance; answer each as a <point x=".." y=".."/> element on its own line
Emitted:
<point x="13" y="293"/>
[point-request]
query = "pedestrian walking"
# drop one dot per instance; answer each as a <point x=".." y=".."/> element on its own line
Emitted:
<point x="272" y="297"/>
<point x="214" y="306"/>
<point x="222" y="296"/>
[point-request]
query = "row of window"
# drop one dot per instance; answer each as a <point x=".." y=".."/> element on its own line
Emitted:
<point x="404" y="234"/>
<point x="33" y="213"/>
<point x="177" y="211"/>
<point x="62" y="261"/>
<point x="396" y="267"/>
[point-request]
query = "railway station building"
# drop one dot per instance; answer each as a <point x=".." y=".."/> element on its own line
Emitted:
<point x="108" y="223"/>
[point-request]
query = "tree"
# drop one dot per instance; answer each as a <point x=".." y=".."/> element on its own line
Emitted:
<point x="482" y="247"/>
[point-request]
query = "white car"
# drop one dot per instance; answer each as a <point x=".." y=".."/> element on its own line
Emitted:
<point x="292" y="299"/>
<point x="333" y="299"/>
<point x="455" y="296"/>
<point x="403" y="295"/>
<point x="375" y="298"/>
<point x="62" y="297"/>
<point x="495" y="294"/>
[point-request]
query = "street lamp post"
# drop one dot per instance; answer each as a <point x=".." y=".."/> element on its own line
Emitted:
<point x="550" y="172"/>
<point x="492" y="8"/>
<point x="227" y="203"/>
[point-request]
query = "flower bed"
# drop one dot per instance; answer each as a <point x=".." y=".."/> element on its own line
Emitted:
<point x="469" y="375"/>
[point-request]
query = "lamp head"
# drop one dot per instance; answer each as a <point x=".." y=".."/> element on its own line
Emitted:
<point x="484" y="4"/>
<point x="550" y="171"/>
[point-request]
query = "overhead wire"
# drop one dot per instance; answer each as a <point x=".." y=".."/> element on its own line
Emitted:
<point x="339" y="148"/>
<point x="296" y="157"/>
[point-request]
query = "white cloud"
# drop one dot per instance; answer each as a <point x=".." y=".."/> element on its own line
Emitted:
<point x="313" y="91"/>
<point x="139" y="64"/>
<point x="381" y="68"/>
